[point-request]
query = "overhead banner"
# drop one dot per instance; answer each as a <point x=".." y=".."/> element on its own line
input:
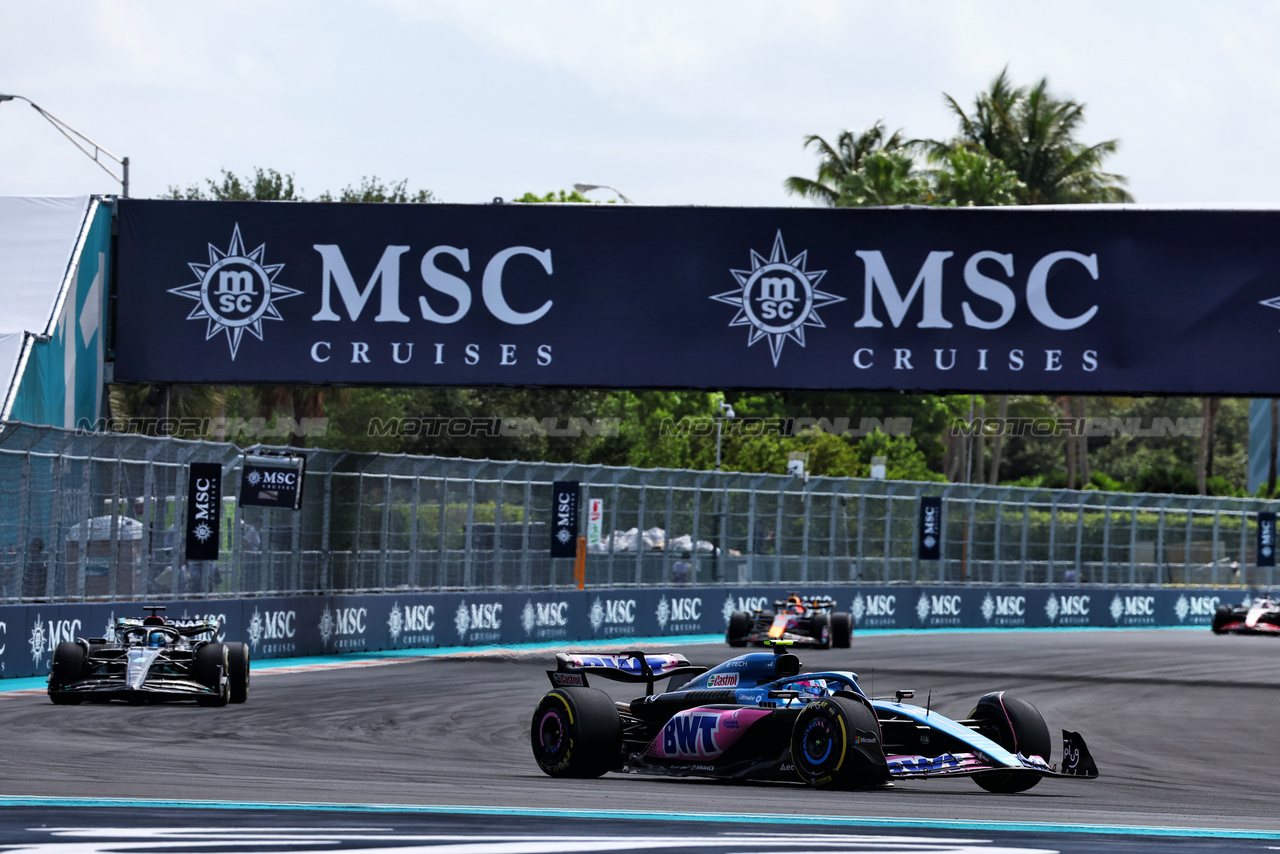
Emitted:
<point x="997" y="299"/>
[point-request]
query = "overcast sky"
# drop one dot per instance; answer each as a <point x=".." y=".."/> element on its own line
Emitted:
<point x="672" y="102"/>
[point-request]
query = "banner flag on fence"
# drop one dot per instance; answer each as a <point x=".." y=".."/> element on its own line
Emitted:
<point x="1266" y="539"/>
<point x="204" y="510"/>
<point x="930" y="545"/>
<point x="564" y="516"/>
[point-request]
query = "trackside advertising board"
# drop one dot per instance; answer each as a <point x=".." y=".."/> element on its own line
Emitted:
<point x="325" y="625"/>
<point x="1000" y="299"/>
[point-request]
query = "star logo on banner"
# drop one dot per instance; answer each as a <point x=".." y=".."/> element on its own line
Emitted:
<point x="778" y="297"/>
<point x="235" y="292"/>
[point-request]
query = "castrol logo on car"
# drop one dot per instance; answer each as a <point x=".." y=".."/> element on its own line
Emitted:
<point x="723" y="680"/>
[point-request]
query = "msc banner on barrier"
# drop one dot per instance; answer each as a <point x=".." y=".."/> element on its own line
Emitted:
<point x="1000" y="299"/>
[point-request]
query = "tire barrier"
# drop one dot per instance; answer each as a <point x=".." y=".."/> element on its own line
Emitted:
<point x="325" y="625"/>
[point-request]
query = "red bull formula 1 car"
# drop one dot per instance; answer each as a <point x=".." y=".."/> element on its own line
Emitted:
<point x="805" y="622"/>
<point x="1258" y="617"/>
<point x="757" y="717"/>
<point x="150" y="660"/>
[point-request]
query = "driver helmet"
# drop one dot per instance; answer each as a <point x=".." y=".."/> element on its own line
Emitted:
<point x="155" y="638"/>
<point x="795" y="606"/>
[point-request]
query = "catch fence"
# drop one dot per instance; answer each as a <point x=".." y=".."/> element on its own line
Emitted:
<point x="91" y="516"/>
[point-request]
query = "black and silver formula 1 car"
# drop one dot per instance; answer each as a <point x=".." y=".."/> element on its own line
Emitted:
<point x="757" y="717"/>
<point x="151" y="660"/>
<point x="805" y="622"/>
<point x="1256" y="617"/>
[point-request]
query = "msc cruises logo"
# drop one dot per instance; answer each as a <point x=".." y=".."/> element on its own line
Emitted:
<point x="235" y="292"/>
<point x="777" y="298"/>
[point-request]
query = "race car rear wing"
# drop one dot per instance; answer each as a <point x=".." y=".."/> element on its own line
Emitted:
<point x="635" y="666"/>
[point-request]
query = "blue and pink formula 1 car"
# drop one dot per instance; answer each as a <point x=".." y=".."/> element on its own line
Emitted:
<point x="757" y="717"/>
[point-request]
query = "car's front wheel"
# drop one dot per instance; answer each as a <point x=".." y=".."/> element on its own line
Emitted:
<point x="69" y="663"/>
<point x="238" y="671"/>
<point x="1221" y="617"/>
<point x="835" y="744"/>
<point x="841" y="630"/>
<point x="210" y="665"/>
<point x="1018" y="727"/>
<point x="739" y="628"/>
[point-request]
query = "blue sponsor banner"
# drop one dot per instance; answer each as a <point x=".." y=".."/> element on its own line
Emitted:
<point x="1096" y="301"/>
<point x="318" y="625"/>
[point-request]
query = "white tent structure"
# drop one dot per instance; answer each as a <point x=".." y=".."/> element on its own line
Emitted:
<point x="54" y="263"/>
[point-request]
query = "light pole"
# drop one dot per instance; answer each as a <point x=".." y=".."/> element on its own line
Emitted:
<point x="81" y="142"/>
<point x="586" y="188"/>
<point x="726" y="411"/>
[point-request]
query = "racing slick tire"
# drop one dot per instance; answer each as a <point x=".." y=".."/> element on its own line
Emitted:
<point x="820" y="629"/>
<point x="210" y="665"/>
<point x="835" y="744"/>
<point x="1221" y="617"/>
<point x="238" y="671"/>
<point x="841" y="630"/>
<point x="1018" y="727"/>
<point x="576" y="732"/>
<point x="739" y="628"/>
<point x="69" y="662"/>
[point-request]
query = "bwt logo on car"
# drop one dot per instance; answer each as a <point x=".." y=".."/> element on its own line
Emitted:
<point x="1067" y="610"/>
<point x="1199" y="607"/>
<point x="275" y="626"/>
<point x="1005" y="610"/>
<point x="1133" y="610"/>
<point x="689" y="734"/>
<point x="939" y="609"/>
<point x="482" y="620"/>
<point x="613" y="617"/>
<point x="545" y="619"/>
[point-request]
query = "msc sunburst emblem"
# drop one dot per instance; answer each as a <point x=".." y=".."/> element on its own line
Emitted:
<point x="235" y="291"/>
<point x="777" y="298"/>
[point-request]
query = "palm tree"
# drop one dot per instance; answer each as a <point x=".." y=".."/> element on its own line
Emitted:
<point x="841" y="160"/>
<point x="1034" y="134"/>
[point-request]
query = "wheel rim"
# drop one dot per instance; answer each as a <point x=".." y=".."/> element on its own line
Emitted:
<point x="551" y="733"/>
<point x="816" y="743"/>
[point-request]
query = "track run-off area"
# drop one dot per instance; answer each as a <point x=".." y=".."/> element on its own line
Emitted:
<point x="429" y="750"/>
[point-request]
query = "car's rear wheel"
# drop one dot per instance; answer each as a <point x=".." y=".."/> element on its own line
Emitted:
<point x="211" y="663"/>
<point x="1018" y="727"/>
<point x="835" y="744"/>
<point x="576" y="732"/>
<point x="739" y="628"/>
<point x="238" y="671"/>
<point x="841" y="630"/>
<point x="69" y="664"/>
<point x="820" y="627"/>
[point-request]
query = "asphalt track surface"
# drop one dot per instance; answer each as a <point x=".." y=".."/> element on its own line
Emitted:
<point x="1183" y="725"/>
